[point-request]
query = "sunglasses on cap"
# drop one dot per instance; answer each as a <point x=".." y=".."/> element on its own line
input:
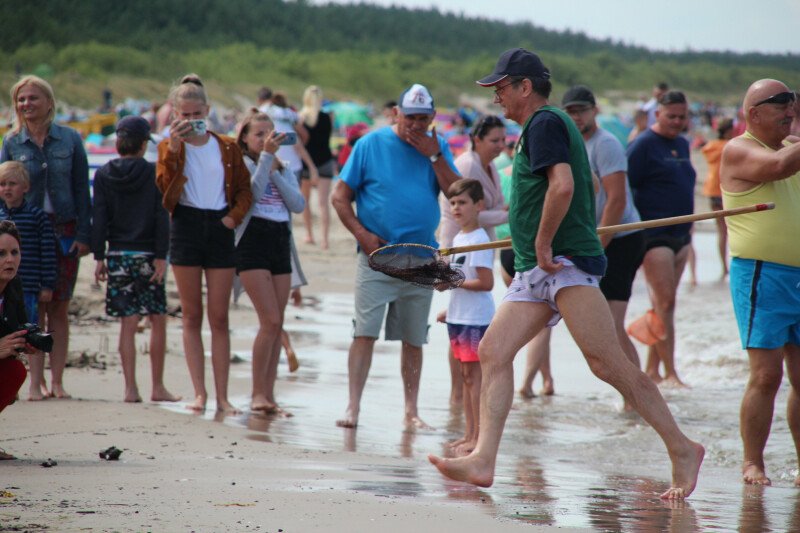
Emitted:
<point x="780" y="99"/>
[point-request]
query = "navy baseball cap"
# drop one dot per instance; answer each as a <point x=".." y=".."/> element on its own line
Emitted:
<point x="134" y="127"/>
<point x="516" y="62"/>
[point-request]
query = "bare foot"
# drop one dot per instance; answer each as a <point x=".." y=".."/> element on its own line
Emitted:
<point x="324" y="245"/>
<point x="457" y="442"/>
<point x="457" y="399"/>
<point x="227" y="407"/>
<point x="309" y="239"/>
<point x="297" y="298"/>
<point x="548" y="389"/>
<point x="350" y="419"/>
<point x="59" y="392"/>
<point x="262" y="405"/>
<point x="415" y="422"/>
<point x="673" y="382"/>
<point x="291" y="358"/>
<point x="755" y="475"/>
<point x="470" y="469"/>
<point x="684" y="472"/>
<point x="465" y="448"/>
<point x="35" y="395"/>
<point x="655" y="377"/>
<point x="527" y="393"/>
<point x="161" y="394"/>
<point x="199" y="404"/>
<point x="132" y="398"/>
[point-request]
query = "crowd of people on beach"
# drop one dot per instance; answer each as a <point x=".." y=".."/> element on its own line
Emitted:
<point x="218" y="209"/>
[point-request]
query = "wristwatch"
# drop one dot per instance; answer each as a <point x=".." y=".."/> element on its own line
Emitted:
<point x="434" y="158"/>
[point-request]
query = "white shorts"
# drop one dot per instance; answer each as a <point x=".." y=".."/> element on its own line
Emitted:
<point x="538" y="286"/>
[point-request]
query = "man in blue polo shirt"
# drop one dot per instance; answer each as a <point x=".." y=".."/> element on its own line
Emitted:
<point x="394" y="175"/>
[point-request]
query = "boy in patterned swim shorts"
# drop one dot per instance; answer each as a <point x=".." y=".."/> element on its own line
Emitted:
<point x="128" y="215"/>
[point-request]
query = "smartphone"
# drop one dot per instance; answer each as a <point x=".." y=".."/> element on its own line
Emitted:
<point x="289" y="138"/>
<point x="199" y="127"/>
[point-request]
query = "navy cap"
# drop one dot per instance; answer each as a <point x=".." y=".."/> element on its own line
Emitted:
<point x="578" y="95"/>
<point x="516" y="62"/>
<point x="133" y="127"/>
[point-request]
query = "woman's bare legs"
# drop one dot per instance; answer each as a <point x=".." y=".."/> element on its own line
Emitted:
<point x="158" y="350"/>
<point x="305" y="188"/>
<point x="57" y="317"/>
<point x="269" y="295"/>
<point x="189" y="282"/>
<point x="323" y="196"/>
<point x="219" y="282"/>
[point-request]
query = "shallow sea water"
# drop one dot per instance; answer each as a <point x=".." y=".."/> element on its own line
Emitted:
<point x="571" y="460"/>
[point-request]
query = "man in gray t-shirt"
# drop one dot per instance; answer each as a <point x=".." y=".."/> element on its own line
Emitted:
<point x="614" y="205"/>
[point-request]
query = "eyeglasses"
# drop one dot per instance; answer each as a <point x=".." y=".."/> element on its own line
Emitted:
<point x="500" y="88"/>
<point x="780" y="99"/>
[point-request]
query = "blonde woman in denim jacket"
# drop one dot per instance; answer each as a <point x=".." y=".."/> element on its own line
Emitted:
<point x="59" y="185"/>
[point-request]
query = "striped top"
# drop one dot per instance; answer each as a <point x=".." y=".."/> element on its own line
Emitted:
<point x="38" y="247"/>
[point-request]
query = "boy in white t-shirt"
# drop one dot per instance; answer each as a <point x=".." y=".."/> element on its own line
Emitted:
<point x="471" y="305"/>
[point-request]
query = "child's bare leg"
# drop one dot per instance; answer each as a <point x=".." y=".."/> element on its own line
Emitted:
<point x="127" y="355"/>
<point x="291" y="356"/>
<point x="472" y="399"/>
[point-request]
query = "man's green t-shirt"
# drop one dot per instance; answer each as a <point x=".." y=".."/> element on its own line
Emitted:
<point x="577" y="235"/>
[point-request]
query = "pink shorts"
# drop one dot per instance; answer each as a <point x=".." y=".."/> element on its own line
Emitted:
<point x="464" y="340"/>
<point x="538" y="286"/>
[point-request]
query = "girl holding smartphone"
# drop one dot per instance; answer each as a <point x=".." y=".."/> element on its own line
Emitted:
<point x="206" y="188"/>
<point x="263" y="247"/>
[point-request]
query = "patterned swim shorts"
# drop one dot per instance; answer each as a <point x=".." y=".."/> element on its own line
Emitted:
<point x="130" y="291"/>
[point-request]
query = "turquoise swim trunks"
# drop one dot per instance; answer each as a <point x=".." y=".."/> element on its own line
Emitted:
<point x="766" y="300"/>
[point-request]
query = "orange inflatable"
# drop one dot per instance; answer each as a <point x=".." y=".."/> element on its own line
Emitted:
<point x="647" y="329"/>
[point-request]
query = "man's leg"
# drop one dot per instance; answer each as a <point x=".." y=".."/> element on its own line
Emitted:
<point x="512" y="327"/>
<point x="792" y="356"/>
<point x="411" y="371"/>
<point x="538" y="353"/>
<point x="758" y="404"/>
<point x="586" y="314"/>
<point x="359" y="360"/>
<point x="663" y="270"/>
<point x="618" y="309"/>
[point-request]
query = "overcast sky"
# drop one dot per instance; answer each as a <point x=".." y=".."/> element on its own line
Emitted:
<point x="769" y="26"/>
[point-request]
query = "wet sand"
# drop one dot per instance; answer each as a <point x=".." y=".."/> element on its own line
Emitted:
<point x="571" y="461"/>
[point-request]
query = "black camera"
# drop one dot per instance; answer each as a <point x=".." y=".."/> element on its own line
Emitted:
<point x="35" y="336"/>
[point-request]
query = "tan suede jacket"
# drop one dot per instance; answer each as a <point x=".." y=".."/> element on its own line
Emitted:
<point x="170" y="178"/>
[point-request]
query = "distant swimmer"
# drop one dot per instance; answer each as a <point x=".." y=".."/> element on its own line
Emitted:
<point x="762" y="166"/>
<point x="559" y="262"/>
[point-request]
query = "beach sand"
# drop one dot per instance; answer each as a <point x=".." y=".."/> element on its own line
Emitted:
<point x="568" y="462"/>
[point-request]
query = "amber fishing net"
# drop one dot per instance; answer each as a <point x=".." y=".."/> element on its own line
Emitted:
<point x="418" y="264"/>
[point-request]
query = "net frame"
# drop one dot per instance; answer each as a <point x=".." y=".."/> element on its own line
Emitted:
<point x="419" y="264"/>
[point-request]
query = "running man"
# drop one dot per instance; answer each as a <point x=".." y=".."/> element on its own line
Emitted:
<point x="552" y="216"/>
<point x="760" y="166"/>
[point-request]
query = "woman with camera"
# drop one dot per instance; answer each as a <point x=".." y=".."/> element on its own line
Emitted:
<point x="263" y="247"/>
<point x="12" y="311"/>
<point x="206" y="188"/>
<point x="59" y="185"/>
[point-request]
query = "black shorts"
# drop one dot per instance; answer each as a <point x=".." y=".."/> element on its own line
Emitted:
<point x="265" y="245"/>
<point x="673" y="242"/>
<point x="325" y="170"/>
<point x="507" y="261"/>
<point x="197" y="237"/>
<point x="625" y="255"/>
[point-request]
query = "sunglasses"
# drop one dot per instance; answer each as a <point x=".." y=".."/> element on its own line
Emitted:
<point x="780" y="99"/>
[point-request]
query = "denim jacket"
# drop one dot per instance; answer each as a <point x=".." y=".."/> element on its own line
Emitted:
<point x="61" y="168"/>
